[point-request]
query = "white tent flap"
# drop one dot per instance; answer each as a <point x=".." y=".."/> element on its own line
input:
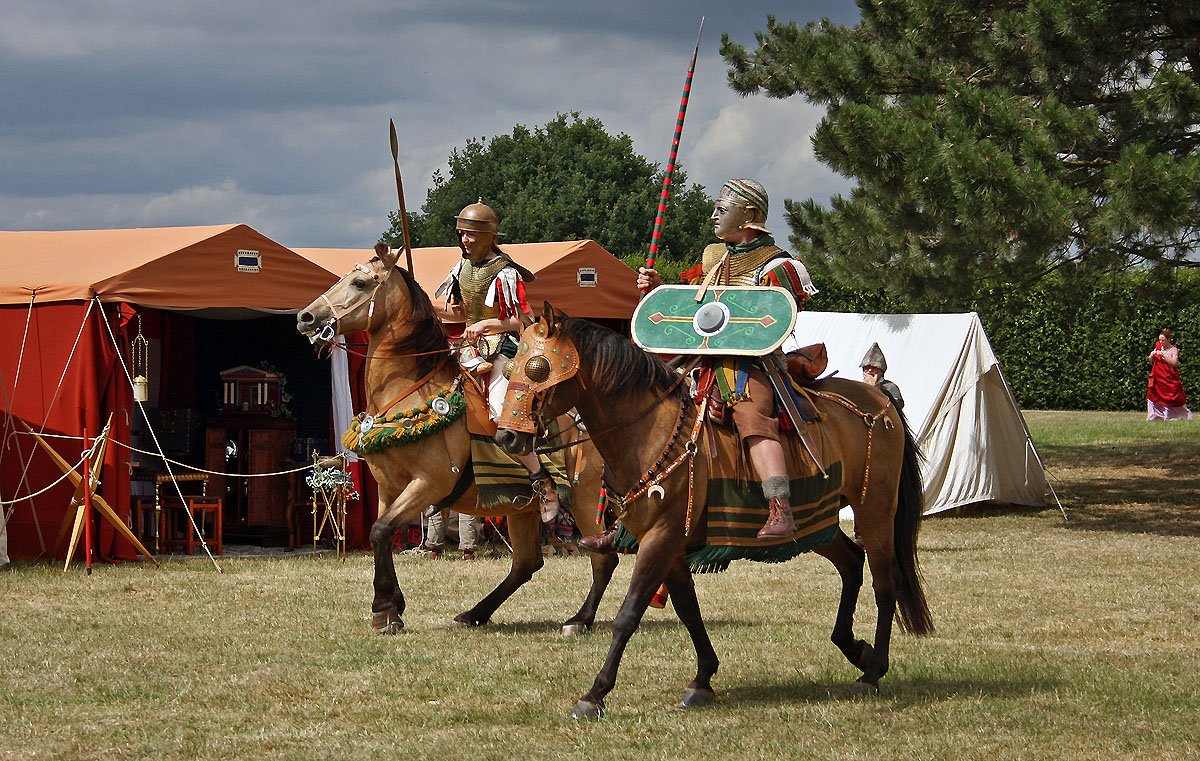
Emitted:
<point x="961" y="412"/>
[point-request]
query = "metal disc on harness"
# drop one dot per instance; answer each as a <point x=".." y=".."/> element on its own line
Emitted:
<point x="729" y="320"/>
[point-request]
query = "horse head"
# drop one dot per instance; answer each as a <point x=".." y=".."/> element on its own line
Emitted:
<point x="545" y="358"/>
<point x="349" y="305"/>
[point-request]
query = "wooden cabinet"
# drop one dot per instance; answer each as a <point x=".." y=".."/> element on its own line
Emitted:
<point x="256" y="509"/>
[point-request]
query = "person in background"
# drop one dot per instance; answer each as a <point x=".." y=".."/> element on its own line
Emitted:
<point x="468" y="533"/>
<point x="1165" y="398"/>
<point x="874" y="365"/>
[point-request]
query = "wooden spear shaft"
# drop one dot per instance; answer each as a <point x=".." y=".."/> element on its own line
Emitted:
<point x="400" y="193"/>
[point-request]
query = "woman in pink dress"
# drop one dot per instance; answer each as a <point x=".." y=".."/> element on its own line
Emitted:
<point x="1165" y="399"/>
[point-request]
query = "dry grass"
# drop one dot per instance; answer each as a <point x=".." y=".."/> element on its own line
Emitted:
<point x="1056" y="639"/>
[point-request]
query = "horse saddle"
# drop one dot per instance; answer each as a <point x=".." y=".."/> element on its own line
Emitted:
<point x="807" y="364"/>
<point x="804" y="366"/>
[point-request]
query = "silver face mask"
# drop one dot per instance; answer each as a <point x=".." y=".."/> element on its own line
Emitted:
<point x="729" y="217"/>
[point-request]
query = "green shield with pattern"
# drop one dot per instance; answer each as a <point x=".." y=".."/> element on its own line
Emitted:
<point x="734" y="320"/>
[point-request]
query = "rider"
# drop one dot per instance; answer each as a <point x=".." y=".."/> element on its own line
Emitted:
<point x="747" y="256"/>
<point x="486" y="291"/>
<point x="874" y="365"/>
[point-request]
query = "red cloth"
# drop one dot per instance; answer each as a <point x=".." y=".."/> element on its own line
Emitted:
<point x="58" y="345"/>
<point x="1165" y="386"/>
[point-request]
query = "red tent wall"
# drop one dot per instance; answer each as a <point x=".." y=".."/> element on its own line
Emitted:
<point x="92" y="386"/>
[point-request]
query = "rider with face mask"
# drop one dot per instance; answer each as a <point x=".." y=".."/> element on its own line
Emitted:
<point x="747" y="255"/>
<point x="486" y="291"/>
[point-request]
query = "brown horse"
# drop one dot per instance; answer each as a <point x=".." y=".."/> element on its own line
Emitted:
<point x="406" y="356"/>
<point x="639" y="417"/>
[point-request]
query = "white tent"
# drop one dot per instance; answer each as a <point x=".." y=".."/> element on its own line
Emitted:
<point x="959" y="407"/>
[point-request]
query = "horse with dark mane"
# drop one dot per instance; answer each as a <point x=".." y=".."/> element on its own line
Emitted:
<point x="663" y="472"/>
<point x="411" y="375"/>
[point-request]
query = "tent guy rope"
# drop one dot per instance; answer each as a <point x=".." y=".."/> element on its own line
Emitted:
<point x="154" y="435"/>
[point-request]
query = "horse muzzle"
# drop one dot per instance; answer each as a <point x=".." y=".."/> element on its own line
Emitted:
<point x="515" y="442"/>
<point x="307" y="325"/>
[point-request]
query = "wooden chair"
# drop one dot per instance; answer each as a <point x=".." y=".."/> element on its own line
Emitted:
<point x="142" y="521"/>
<point x="175" y="530"/>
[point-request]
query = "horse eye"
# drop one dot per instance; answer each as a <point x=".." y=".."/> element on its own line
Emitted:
<point x="358" y="283"/>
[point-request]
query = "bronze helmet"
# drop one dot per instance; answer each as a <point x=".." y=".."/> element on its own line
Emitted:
<point x="479" y="218"/>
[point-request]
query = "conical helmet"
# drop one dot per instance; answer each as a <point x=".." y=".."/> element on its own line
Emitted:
<point x="479" y="218"/>
<point x="874" y="358"/>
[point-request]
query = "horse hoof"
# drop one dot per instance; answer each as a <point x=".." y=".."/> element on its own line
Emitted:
<point x="386" y="623"/>
<point x="696" y="697"/>
<point x="587" y="711"/>
<point x="466" y="619"/>
<point x="861" y="689"/>
<point x="576" y="630"/>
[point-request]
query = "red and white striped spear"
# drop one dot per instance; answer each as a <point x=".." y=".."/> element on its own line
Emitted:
<point x="656" y="236"/>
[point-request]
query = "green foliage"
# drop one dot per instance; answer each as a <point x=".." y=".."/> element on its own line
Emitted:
<point x="567" y="180"/>
<point x="993" y="141"/>
<point x="1070" y="341"/>
<point x="1063" y="349"/>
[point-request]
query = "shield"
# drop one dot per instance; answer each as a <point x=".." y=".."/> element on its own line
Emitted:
<point x="734" y="320"/>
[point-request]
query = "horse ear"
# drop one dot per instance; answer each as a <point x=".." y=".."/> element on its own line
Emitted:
<point x="387" y="254"/>
<point x="548" y="318"/>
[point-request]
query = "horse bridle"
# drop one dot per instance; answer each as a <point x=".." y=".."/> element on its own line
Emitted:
<point x="540" y="381"/>
<point x="329" y="330"/>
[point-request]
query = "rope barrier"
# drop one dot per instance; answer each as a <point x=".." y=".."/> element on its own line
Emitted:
<point x="196" y="469"/>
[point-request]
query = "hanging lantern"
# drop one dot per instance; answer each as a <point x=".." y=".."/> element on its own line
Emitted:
<point x="139" y="358"/>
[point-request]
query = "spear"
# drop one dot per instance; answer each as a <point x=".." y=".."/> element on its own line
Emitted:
<point x="656" y="236"/>
<point x="400" y="193"/>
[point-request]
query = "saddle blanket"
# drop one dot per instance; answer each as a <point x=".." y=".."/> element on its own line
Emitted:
<point x="737" y="509"/>
<point x="501" y="480"/>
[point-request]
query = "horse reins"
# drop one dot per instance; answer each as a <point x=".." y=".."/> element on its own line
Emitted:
<point x="578" y="421"/>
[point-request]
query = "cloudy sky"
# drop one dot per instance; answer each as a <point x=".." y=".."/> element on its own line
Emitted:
<point x="144" y="113"/>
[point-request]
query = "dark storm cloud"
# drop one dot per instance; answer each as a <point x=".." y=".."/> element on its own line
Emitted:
<point x="138" y="113"/>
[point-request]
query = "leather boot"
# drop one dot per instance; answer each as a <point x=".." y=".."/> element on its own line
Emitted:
<point x="547" y="495"/>
<point x="601" y="544"/>
<point x="780" y="524"/>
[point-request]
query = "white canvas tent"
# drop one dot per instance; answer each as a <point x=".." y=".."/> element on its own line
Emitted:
<point x="959" y="407"/>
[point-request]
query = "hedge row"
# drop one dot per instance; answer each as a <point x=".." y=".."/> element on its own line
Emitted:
<point x="1078" y="343"/>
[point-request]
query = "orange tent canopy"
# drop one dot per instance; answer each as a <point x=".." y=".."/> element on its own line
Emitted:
<point x="579" y="277"/>
<point x="165" y="267"/>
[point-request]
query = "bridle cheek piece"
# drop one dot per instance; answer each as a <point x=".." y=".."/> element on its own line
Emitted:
<point x="337" y="312"/>
<point x="540" y="364"/>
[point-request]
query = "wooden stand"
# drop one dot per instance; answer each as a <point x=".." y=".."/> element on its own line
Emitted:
<point x="85" y="491"/>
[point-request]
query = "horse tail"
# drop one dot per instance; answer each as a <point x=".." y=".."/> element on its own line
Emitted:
<point x="914" y="616"/>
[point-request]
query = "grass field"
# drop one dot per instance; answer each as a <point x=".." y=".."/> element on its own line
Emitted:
<point x="1056" y="639"/>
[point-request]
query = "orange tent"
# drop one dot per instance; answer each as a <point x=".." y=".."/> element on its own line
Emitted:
<point x="61" y="368"/>
<point x="168" y="267"/>
<point x="579" y="276"/>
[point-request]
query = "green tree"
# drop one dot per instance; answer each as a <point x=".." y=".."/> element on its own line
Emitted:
<point x="568" y="180"/>
<point x="993" y="141"/>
